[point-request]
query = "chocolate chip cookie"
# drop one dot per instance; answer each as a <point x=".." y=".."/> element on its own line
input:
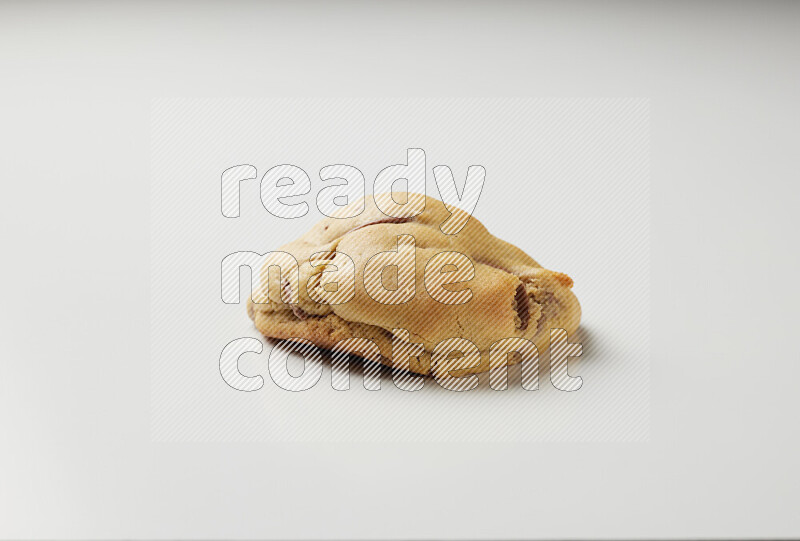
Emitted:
<point x="384" y="277"/>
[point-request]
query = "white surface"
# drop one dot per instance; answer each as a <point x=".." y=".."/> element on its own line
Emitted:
<point x="567" y="180"/>
<point x="76" y="458"/>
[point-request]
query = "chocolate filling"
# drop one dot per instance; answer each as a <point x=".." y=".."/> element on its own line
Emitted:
<point x="521" y="305"/>
<point x="298" y="312"/>
<point x="384" y="221"/>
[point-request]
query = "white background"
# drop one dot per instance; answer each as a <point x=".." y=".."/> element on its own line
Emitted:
<point x="567" y="180"/>
<point x="76" y="458"/>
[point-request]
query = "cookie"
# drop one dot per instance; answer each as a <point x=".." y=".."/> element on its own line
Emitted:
<point x="403" y="279"/>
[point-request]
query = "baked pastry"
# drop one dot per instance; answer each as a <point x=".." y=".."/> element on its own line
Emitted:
<point x="501" y="291"/>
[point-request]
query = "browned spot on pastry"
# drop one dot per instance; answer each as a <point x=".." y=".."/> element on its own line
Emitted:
<point x="522" y="307"/>
<point x="562" y="279"/>
<point x="384" y="221"/>
<point x="296" y="310"/>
